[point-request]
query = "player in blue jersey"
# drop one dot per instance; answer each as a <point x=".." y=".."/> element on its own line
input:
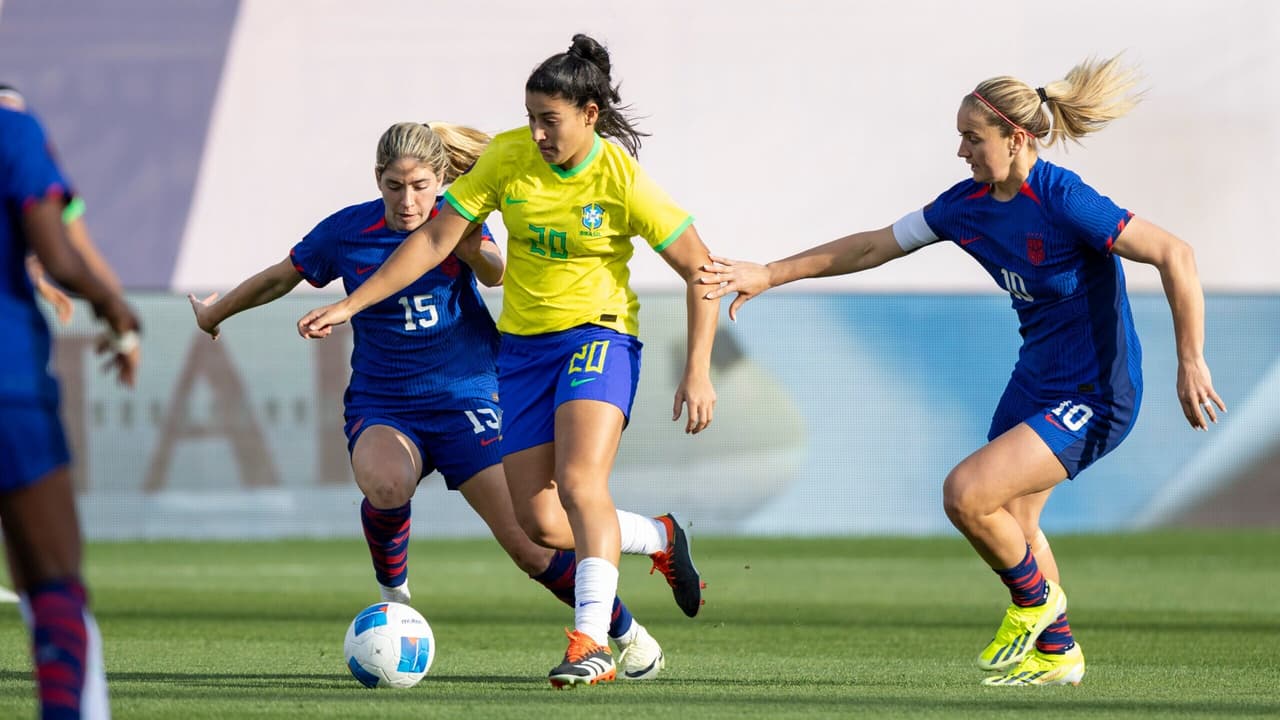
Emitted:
<point x="569" y="363"/>
<point x="37" y="502"/>
<point x="1054" y="244"/>
<point x="77" y="233"/>
<point x="423" y="394"/>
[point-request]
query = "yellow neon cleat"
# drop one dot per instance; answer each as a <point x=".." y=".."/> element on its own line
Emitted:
<point x="1044" y="669"/>
<point x="1022" y="625"/>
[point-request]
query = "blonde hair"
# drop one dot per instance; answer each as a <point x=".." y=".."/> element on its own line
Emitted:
<point x="448" y="149"/>
<point x="1093" y="93"/>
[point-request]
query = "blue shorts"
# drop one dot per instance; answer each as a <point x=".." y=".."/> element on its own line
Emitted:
<point x="1079" y="429"/>
<point x="539" y="373"/>
<point x="459" y="443"/>
<point x="32" y="443"/>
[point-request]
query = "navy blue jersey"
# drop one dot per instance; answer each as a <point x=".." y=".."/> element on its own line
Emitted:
<point x="432" y="345"/>
<point x="1050" y="248"/>
<point x="28" y="174"/>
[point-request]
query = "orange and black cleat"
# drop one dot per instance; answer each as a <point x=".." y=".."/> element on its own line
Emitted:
<point x="676" y="565"/>
<point x="585" y="663"/>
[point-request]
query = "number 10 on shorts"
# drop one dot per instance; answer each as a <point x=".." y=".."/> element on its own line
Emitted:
<point x="1074" y="415"/>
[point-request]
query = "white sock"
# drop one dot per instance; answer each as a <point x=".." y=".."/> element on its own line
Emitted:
<point x="641" y="534"/>
<point x="594" y="587"/>
<point x="24" y="609"/>
<point x="629" y="636"/>
<point x="93" y="698"/>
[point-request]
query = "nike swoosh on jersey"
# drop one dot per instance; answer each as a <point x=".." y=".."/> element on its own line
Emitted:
<point x="515" y="201"/>
<point x="485" y="442"/>
<point x="968" y="241"/>
<point x="581" y="381"/>
<point x="366" y="269"/>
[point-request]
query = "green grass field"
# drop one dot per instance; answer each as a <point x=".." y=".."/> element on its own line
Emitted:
<point x="1173" y="625"/>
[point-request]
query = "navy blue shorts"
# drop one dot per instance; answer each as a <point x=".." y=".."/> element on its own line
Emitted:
<point x="32" y="443"/>
<point x="459" y="443"/>
<point x="539" y="373"/>
<point x="1079" y="429"/>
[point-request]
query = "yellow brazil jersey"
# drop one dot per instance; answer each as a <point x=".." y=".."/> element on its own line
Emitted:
<point x="569" y="231"/>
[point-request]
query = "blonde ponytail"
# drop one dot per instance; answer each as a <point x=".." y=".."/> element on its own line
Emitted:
<point x="1093" y="93"/>
<point x="448" y="149"/>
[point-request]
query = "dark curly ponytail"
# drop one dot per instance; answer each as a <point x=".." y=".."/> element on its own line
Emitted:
<point x="581" y="75"/>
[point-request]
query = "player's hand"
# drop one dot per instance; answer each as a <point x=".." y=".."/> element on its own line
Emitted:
<point x="201" y="309"/>
<point x="1196" y="393"/>
<point x="726" y="276"/>
<point x="697" y="393"/>
<point x="121" y="342"/>
<point x="319" y="322"/>
<point x="63" y="308"/>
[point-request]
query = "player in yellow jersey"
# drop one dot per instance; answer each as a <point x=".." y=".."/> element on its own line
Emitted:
<point x="569" y="359"/>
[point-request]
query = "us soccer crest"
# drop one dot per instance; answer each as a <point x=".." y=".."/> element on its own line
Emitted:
<point x="1035" y="248"/>
<point x="592" y="216"/>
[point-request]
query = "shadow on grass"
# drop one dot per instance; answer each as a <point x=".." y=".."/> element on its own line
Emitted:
<point x="708" y="696"/>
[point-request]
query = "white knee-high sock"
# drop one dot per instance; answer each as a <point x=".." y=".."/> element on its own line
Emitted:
<point x="641" y="535"/>
<point x="594" y="587"/>
<point x="93" y="701"/>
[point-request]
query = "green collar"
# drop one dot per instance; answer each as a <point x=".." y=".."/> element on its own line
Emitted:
<point x="595" y="150"/>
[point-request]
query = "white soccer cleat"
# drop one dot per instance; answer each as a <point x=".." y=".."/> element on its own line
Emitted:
<point x="642" y="658"/>
<point x="397" y="594"/>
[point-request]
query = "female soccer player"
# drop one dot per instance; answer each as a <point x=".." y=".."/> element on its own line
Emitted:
<point x="37" y="503"/>
<point x="423" y="392"/>
<point x="1054" y="244"/>
<point x="77" y="233"/>
<point x="570" y="358"/>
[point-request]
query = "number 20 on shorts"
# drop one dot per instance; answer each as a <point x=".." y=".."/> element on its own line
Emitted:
<point x="590" y="358"/>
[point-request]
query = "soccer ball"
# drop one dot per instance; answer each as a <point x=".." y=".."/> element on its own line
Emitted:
<point x="389" y="645"/>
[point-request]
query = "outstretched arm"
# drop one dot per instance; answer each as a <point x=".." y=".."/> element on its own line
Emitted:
<point x="849" y="254"/>
<point x="269" y="284"/>
<point x="687" y="255"/>
<point x="1144" y="242"/>
<point x="421" y="251"/>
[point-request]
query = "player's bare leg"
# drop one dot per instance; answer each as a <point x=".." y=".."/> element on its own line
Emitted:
<point x="387" y="466"/>
<point x="1057" y="658"/>
<point x="641" y="657"/>
<point x="975" y="496"/>
<point x="42" y="537"/>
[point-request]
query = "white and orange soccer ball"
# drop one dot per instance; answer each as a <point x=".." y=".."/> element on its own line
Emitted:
<point x="389" y="645"/>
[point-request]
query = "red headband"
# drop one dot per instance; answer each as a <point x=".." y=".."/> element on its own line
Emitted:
<point x="996" y="110"/>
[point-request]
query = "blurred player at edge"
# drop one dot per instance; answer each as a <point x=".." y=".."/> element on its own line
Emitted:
<point x="77" y="233"/>
<point x="37" y="501"/>
<point x="1055" y="245"/>
<point x="423" y="394"/>
<point x="570" y="356"/>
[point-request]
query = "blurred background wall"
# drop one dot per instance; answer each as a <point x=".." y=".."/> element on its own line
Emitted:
<point x="208" y="136"/>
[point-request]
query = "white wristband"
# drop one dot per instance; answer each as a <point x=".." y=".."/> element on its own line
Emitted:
<point x="123" y="343"/>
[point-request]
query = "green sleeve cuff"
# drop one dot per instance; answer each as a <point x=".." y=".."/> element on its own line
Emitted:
<point x="73" y="211"/>
<point x="675" y="234"/>
<point x="458" y="206"/>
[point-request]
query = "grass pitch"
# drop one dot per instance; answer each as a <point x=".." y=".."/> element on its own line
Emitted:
<point x="1173" y="625"/>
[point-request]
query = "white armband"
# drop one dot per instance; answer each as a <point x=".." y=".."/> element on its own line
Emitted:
<point x="912" y="232"/>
